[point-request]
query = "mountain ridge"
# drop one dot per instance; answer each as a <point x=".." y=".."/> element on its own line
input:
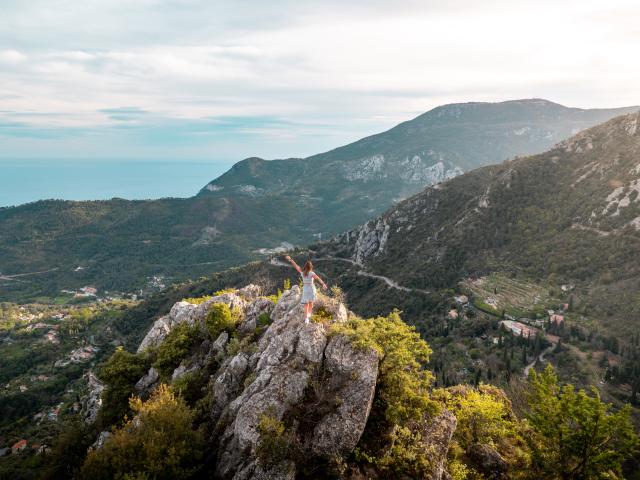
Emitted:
<point x="257" y="205"/>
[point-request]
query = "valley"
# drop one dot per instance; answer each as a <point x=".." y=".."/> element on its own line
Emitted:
<point x="258" y="205"/>
<point x="486" y="266"/>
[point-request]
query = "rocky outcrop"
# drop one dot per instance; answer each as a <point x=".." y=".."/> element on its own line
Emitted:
<point x="146" y="383"/>
<point x="314" y="383"/>
<point x="437" y="434"/>
<point x="93" y="401"/>
<point x="298" y="372"/>
<point x="371" y="240"/>
<point x="488" y="461"/>
<point x="185" y="312"/>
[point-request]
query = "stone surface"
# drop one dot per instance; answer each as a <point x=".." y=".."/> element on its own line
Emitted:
<point x="350" y="383"/>
<point x="488" y="461"/>
<point x="185" y="312"/>
<point x="147" y="381"/>
<point x="254" y="310"/>
<point x="93" y="401"/>
<point x="275" y="381"/>
<point x="99" y="443"/>
<point x="318" y="385"/>
<point x="437" y="433"/>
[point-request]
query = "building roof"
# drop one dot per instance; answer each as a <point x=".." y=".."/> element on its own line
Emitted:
<point x="19" y="444"/>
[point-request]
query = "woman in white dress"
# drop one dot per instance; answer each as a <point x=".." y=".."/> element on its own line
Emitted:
<point x="308" y="287"/>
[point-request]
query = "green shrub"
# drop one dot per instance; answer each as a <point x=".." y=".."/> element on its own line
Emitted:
<point x="159" y="443"/>
<point x="120" y="373"/>
<point x="190" y="385"/>
<point x="220" y="318"/>
<point x="275" y="442"/>
<point x="402" y="403"/>
<point x="175" y="348"/>
<point x="485" y="416"/>
<point x="264" y="319"/>
<point x="197" y="300"/>
<point x="237" y="345"/>
<point x="337" y="293"/>
<point x="224" y="291"/>
<point x="321" y="315"/>
<point x="576" y="435"/>
<point x="403" y="381"/>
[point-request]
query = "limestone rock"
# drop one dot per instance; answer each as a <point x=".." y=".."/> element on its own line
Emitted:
<point x="254" y="310"/>
<point x="488" y="461"/>
<point x="437" y="434"/>
<point x="93" y="401"/>
<point x="371" y="240"/>
<point x="144" y="385"/>
<point x="185" y="312"/>
<point x="351" y="381"/>
<point x="276" y="380"/>
<point x="102" y="438"/>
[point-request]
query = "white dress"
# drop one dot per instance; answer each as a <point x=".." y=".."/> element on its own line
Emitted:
<point x="308" y="288"/>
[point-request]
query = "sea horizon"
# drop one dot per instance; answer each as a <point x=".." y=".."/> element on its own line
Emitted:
<point x="31" y="180"/>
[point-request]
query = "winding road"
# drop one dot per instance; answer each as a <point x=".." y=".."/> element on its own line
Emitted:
<point x="363" y="273"/>
<point x="539" y="358"/>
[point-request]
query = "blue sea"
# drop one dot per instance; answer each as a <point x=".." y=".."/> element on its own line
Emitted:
<point x="23" y="181"/>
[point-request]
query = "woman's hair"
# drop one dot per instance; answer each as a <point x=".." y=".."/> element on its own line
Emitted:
<point x="308" y="266"/>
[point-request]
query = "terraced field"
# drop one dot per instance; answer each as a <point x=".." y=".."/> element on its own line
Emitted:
<point x="516" y="297"/>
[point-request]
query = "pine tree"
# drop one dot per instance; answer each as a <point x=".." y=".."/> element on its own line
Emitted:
<point x="576" y="435"/>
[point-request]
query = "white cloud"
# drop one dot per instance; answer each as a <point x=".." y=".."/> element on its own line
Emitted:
<point x="11" y="56"/>
<point x="359" y="66"/>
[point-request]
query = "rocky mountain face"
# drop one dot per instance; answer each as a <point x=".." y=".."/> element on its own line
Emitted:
<point x="257" y="205"/>
<point x="570" y="215"/>
<point x="319" y="384"/>
<point x="371" y="174"/>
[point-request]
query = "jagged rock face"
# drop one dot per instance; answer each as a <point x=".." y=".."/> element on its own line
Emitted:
<point x="93" y="401"/>
<point x="185" y="312"/>
<point x="316" y="383"/>
<point x="276" y="381"/>
<point x="437" y="435"/>
<point x="366" y="241"/>
<point x="145" y="384"/>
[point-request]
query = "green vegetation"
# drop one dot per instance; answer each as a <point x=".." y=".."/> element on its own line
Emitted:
<point x="220" y="318"/>
<point x="264" y="319"/>
<point x="321" y="315"/>
<point x="275" y="441"/>
<point x="120" y="372"/>
<point x="485" y="419"/>
<point x="158" y="443"/>
<point x="577" y="436"/>
<point x="175" y="347"/>
<point x="402" y="401"/>
<point x="197" y="300"/>
<point x="514" y="296"/>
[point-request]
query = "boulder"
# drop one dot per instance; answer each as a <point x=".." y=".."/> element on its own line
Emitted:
<point x="488" y="461"/>
<point x="350" y="384"/>
<point x="149" y="380"/>
<point x="436" y="434"/>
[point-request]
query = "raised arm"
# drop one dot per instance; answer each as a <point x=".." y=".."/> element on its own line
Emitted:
<point x="324" y="285"/>
<point x="294" y="264"/>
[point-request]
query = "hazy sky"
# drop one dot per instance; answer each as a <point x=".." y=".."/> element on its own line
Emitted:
<point x="203" y="79"/>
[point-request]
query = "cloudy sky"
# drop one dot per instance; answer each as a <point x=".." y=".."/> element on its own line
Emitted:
<point x="205" y="79"/>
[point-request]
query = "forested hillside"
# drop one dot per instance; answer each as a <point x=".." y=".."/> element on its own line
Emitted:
<point x="259" y="205"/>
